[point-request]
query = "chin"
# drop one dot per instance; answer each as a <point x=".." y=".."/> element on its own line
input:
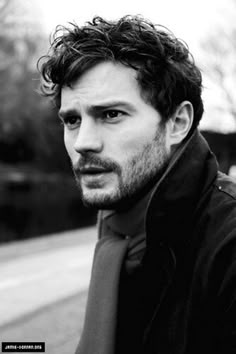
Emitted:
<point x="99" y="204"/>
<point x="109" y="201"/>
<point x="100" y="200"/>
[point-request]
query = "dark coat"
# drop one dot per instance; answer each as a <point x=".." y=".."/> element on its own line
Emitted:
<point x="183" y="298"/>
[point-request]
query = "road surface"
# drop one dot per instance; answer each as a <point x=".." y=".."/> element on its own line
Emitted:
<point x="43" y="289"/>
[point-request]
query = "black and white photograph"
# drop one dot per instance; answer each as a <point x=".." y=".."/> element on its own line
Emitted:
<point x="118" y="177"/>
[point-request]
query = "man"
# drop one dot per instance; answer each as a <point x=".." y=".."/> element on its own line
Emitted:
<point x="164" y="270"/>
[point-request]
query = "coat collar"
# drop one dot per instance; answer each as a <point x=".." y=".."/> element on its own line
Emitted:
<point x="177" y="194"/>
<point x="171" y="213"/>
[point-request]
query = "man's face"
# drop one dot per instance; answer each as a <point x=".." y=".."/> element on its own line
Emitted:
<point x="113" y="137"/>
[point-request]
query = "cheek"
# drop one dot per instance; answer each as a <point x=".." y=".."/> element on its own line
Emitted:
<point x="126" y="152"/>
<point x="69" y="143"/>
<point x="134" y="140"/>
<point x="66" y="142"/>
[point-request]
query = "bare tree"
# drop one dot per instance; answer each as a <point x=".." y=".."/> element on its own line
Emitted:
<point x="29" y="129"/>
<point x="220" y="57"/>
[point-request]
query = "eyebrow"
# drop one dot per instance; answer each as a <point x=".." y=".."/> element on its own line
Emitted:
<point x="93" y="109"/>
<point x="70" y="112"/>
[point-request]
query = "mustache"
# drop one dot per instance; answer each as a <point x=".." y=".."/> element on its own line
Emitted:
<point x="95" y="161"/>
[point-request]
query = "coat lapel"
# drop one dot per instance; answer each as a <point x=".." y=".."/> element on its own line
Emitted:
<point x="170" y="217"/>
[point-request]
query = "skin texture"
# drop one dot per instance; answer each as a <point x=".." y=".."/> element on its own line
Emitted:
<point x="114" y="138"/>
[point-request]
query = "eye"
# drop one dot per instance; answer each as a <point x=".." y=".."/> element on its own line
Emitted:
<point x="113" y="114"/>
<point x="72" y="122"/>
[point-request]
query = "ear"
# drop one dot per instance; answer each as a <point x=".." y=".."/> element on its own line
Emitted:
<point x="180" y="123"/>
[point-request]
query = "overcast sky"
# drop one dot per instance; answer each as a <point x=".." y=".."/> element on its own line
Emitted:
<point x="187" y="19"/>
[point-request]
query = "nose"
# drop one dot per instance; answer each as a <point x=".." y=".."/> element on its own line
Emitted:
<point x="89" y="137"/>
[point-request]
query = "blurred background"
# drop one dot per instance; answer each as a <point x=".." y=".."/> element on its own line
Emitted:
<point x="35" y="175"/>
<point x="52" y="235"/>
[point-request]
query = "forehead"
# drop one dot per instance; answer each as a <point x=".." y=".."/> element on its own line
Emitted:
<point x="105" y="81"/>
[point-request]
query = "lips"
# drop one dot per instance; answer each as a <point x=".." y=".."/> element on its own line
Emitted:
<point x="92" y="170"/>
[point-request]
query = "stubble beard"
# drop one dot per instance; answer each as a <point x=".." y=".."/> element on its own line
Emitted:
<point x="135" y="178"/>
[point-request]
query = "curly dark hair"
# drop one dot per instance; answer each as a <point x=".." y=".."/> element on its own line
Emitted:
<point x="166" y="71"/>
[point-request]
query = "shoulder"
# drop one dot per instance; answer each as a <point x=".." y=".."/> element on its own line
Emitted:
<point x="217" y="227"/>
<point x="221" y="213"/>
<point x="218" y="250"/>
<point x="216" y="257"/>
<point x="222" y="206"/>
<point x="226" y="185"/>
